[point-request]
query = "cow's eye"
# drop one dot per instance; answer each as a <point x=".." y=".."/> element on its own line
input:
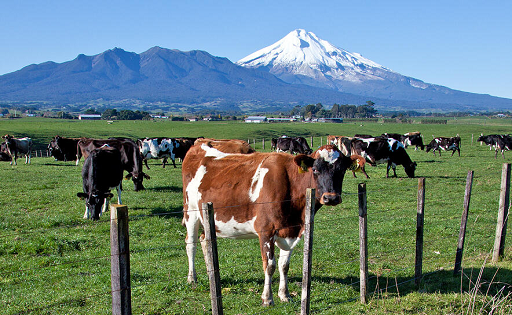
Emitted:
<point x="315" y="171"/>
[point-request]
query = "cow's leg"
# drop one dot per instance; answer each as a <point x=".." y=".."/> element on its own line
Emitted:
<point x="354" y="173"/>
<point x="118" y="189"/>
<point x="104" y="208"/>
<point x="173" y="163"/>
<point x="146" y="163"/>
<point x="364" y="172"/>
<point x="269" y="266"/>
<point x="284" y="266"/>
<point x="192" y="229"/>
<point x="164" y="161"/>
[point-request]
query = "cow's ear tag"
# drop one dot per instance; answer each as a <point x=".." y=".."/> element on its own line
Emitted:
<point x="355" y="164"/>
<point x="303" y="167"/>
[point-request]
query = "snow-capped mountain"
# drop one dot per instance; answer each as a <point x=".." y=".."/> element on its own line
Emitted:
<point x="303" y="53"/>
<point x="302" y="57"/>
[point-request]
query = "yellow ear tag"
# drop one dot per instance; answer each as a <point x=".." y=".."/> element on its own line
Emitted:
<point x="355" y="165"/>
<point x="303" y="168"/>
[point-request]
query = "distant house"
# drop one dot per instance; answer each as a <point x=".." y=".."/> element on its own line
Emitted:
<point x="289" y="119"/>
<point x="89" y="117"/>
<point x="256" y="119"/>
<point x="331" y="120"/>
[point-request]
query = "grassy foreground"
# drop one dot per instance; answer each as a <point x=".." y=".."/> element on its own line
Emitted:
<point x="54" y="262"/>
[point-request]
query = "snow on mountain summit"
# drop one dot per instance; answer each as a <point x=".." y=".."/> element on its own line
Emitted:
<point x="303" y="53"/>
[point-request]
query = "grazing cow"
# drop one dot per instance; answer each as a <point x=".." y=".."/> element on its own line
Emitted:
<point x="102" y="171"/>
<point x="130" y="156"/>
<point x="445" y="144"/>
<point x="18" y="146"/>
<point x="63" y="149"/>
<point x="293" y="145"/>
<point x="259" y="195"/>
<point x="379" y="150"/>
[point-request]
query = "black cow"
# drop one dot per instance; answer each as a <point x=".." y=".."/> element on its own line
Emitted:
<point x="445" y="144"/>
<point x="18" y="146"/>
<point x="293" y="145"/>
<point x="102" y="171"/>
<point x="379" y="150"/>
<point x="130" y="156"/>
<point x="4" y="154"/>
<point x="63" y="149"/>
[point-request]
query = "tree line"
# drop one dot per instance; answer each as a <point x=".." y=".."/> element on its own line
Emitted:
<point x="337" y="111"/>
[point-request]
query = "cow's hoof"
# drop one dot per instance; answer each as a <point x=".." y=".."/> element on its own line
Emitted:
<point x="285" y="297"/>
<point x="267" y="303"/>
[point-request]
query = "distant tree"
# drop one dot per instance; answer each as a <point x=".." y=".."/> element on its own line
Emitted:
<point x="109" y="114"/>
<point x="91" y="111"/>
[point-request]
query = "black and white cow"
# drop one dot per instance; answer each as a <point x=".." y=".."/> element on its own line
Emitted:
<point x="407" y="139"/>
<point x="63" y="149"/>
<point x="490" y="140"/>
<point x="131" y="159"/>
<point x="293" y="145"/>
<point x="18" y="146"/>
<point x="158" y="148"/>
<point x="380" y="150"/>
<point x="445" y="144"/>
<point x="102" y="171"/>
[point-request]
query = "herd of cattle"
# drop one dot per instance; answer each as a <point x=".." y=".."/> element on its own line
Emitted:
<point x="268" y="189"/>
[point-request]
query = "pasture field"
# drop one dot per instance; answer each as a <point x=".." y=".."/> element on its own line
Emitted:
<point x="54" y="262"/>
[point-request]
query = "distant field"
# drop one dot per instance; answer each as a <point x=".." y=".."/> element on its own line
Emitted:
<point x="54" y="262"/>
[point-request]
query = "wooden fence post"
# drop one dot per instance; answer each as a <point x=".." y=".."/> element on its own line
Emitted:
<point x="420" y="219"/>
<point x="363" y="243"/>
<point x="212" y="259"/>
<point x="308" y="251"/>
<point x="263" y="145"/>
<point x="312" y="142"/>
<point x="501" y="226"/>
<point x="120" y="260"/>
<point x="463" y="222"/>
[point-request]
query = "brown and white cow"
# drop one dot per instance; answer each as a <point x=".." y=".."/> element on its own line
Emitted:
<point x="259" y="195"/>
<point x="18" y="146"/>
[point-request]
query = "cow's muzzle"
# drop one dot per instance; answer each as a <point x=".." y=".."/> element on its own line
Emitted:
<point x="330" y="199"/>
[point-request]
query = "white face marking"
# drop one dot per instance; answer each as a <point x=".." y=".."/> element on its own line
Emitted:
<point x="236" y="230"/>
<point x="212" y="152"/>
<point x="329" y="156"/>
<point x="259" y="175"/>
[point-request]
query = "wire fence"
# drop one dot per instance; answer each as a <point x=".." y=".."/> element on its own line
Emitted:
<point x="391" y="264"/>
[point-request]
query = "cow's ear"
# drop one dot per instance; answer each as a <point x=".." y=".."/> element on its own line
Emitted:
<point x="304" y="162"/>
<point x="81" y="195"/>
<point x="128" y="176"/>
<point x="356" y="161"/>
<point x="146" y="176"/>
<point x="109" y="195"/>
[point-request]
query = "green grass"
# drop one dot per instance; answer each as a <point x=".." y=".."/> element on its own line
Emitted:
<point x="54" y="262"/>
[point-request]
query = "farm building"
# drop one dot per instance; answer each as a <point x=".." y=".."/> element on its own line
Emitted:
<point x="89" y="117"/>
<point x="256" y="119"/>
<point x="289" y="119"/>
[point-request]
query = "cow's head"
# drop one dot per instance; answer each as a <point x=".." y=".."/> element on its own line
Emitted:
<point x="94" y="202"/>
<point x="328" y="165"/>
<point x="410" y="168"/>
<point x="137" y="178"/>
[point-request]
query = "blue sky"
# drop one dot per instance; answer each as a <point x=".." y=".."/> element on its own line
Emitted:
<point x="464" y="45"/>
